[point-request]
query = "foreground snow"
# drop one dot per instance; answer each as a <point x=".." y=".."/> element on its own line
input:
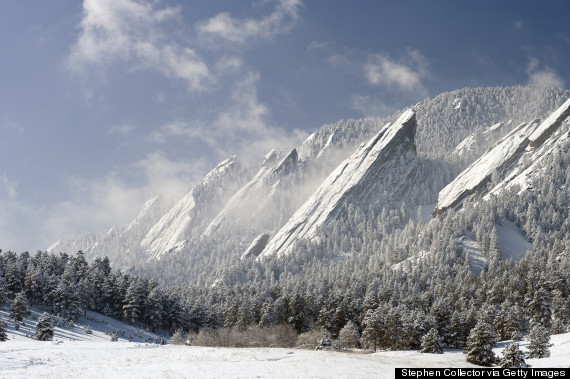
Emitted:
<point x="88" y="359"/>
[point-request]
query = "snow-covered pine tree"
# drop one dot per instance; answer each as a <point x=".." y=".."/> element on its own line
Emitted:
<point x="513" y="357"/>
<point x="539" y="308"/>
<point x="480" y="343"/>
<point x="19" y="309"/>
<point x="44" y="328"/>
<point x="372" y="326"/>
<point x="3" y="290"/>
<point x="133" y="304"/>
<point x="539" y="342"/>
<point x="431" y="342"/>
<point x="3" y="334"/>
<point x="154" y="311"/>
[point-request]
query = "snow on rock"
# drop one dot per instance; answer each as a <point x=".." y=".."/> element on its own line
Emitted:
<point x="251" y="198"/>
<point x="380" y="169"/>
<point x="532" y="161"/>
<point x="176" y="225"/>
<point x="256" y="247"/>
<point x="478" y="174"/>
<point x="549" y="125"/>
<point x="120" y="244"/>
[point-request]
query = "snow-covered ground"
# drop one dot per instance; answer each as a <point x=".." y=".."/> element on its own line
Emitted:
<point x="101" y="326"/>
<point x="73" y="354"/>
<point x="88" y="359"/>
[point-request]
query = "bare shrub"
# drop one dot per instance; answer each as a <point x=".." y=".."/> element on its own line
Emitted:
<point x="349" y="337"/>
<point x="254" y="336"/>
<point x="178" y="338"/>
<point x="309" y="340"/>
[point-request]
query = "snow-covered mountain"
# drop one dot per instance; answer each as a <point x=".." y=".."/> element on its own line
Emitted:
<point x="382" y="168"/>
<point x="512" y="160"/>
<point x="448" y="148"/>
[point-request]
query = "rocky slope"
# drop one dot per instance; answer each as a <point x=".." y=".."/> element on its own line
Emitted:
<point x="511" y="160"/>
<point x="379" y="170"/>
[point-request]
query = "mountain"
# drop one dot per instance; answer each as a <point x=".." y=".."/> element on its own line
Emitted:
<point x="382" y="168"/>
<point x="511" y="160"/>
<point x="180" y="223"/>
<point x="353" y="187"/>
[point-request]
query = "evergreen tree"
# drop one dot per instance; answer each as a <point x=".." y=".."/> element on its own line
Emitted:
<point x="480" y="343"/>
<point x="154" y="312"/>
<point x="431" y="342"/>
<point x="19" y="309"/>
<point x="372" y="328"/>
<point x="3" y="290"/>
<point x="3" y="328"/>
<point x="133" y="303"/>
<point x="539" y="307"/>
<point x="44" y="328"/>
<point x="513" y="357"/>
<point x="539" y="342"/>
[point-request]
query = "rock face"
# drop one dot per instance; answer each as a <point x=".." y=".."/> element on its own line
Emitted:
<point x="162" y="225"/>
<point x="531" y="141"/>
<point x="256" y="247"/>
<point x="379" y="170"/>
<point x="123" y="239"/>
<point x="545" y="130"/>
<point x="555" y="135"/>
<point x="479" y="173"/>
<point x="252" y="198"/>
<point x="181" y="220"/>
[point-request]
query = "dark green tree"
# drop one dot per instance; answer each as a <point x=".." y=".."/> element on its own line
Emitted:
<point x="44" y="328"/>
<point x="513" y="357"/>
<point x="539" y="342"/>
<point x="431" y="342"/>
<point x="480" y="343"/>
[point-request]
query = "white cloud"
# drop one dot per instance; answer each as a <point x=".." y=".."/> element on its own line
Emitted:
<point x="406" y="75"/>
<point x="8" y="186"/>
<point x="242" y="127"/>
<point x="370" y="107"/>
<point x="519" y="24"/>
<point x="316" y="45"/>
<point x="546" y="77"/>
<point x="98" y="203"/>
<point x="131" y="31"/>
<point x="241" y="31"/>
<point x="229" y="64"/>
<point x="122" y="129"/>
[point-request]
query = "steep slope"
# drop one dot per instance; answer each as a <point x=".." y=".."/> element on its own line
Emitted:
<point x="379" y="170"/>
<point x="550" y="137"/>
<point x="179" y="223"/>
<point x="251" y="202"/>
<point x="161" y="224"/>
<point x="479" y="173"/>
<point x="121" y="244"/>
<point x="513" y="159"/>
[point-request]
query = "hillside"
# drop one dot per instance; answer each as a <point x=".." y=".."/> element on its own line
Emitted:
<point x="218" y="219"/>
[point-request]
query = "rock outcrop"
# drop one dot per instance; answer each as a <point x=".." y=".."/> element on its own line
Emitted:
<point x="256" y="247"/>
<point x="180" y="221"/>
<point x="381" y="169"/>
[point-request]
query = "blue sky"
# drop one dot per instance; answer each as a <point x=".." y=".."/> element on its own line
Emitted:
<point x="107" y="103"/>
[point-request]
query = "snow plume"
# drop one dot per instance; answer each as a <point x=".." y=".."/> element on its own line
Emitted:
<point x="406" y="75"/>
<point x="241" y="31"/>
<point x="545" y="77"/>
<point x="132" y="31"/>
<point x="241" y="127"/>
